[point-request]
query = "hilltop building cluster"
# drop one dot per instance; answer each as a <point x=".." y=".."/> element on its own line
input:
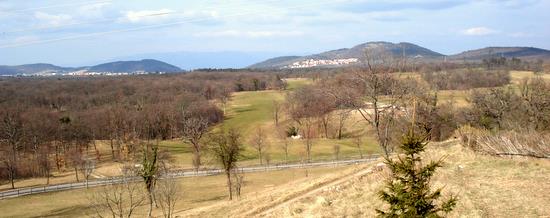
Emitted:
<point x="314" y="63"/>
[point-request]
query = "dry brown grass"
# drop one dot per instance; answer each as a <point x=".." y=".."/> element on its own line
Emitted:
<point x="258" y="203"/>
<point x="486" y="186"/>
<point x="506" y="143"/>
<point x="198" y="192"/>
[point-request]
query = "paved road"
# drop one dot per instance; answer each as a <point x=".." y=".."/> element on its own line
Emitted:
<point x="174" y="174"/>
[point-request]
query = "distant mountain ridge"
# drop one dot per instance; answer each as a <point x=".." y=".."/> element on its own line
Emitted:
<point x="190" y="60"/>
<point x="145" y="65"/>
<point x="333" y="58"/>
<point x="507" y="52"/>
<point x="397" y="49"/>
<point x="394" y="49"/>
<point x="401" y="49"/>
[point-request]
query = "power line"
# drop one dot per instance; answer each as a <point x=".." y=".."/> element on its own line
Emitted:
<point x="149" y="27"/>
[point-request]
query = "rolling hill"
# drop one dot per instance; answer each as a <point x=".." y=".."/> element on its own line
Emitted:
<point x="403" y="49"/>
<point x="191" y="60"/>
<point x="32" y="69"/>
<point x="528" y="53"/>
<point x="394" y="49"/>
<point x="146" y="65"/>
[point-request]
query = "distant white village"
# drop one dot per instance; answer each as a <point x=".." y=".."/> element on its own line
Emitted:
<point x="84" y="73"/>
<point x="313" y="63"/>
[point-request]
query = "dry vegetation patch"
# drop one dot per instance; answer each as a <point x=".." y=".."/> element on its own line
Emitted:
<point x="486" y="187"/>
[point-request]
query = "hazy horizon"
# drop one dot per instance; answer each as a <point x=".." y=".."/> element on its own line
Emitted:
<point x="69" y="33"/>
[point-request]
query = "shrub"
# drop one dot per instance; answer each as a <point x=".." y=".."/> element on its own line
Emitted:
<point x="292" y="131"/>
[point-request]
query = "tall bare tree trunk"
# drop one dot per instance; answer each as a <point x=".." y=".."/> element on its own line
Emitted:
<point x="150" y="196"/>
<point x="112" y="148"/>
<point x="196" y="157"/>
<point x="229" y="185"/>
<point x="76" y="174"/>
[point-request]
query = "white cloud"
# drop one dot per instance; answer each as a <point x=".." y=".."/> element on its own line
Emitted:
<point x="249" y="34"/>
<point x="150" y="16"/>
<point x="52" y="20"/>
<point x="478" y="31"/>
<point x="93" y="10"/>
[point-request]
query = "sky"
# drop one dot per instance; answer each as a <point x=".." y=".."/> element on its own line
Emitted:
<point x="83" y="32"/>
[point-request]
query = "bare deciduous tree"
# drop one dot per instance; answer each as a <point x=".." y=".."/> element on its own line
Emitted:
<point x="276" y="111"/>
<point x="76" y="158"/>
<point x="336" y="149"/>
<point x="283" y="136"/>
<point x="12" y="133"/>
<point x="44" y="162"/>
<point x="226" y="149"/>
<point x="343" y="115"/>
<point x="304" y="108"/>
<point x="259" y="143"/>
<point x="225" y="96"/>
<point x="308" y="133"/>
<point x="358" y="142"/>
<point x="193" y="129"/>
<point x="238" y="182"/>
<point x="118" y="200"/>
<point x="87" y="167"/>
<point x="168" y="194"/>
<point x="383" y="94"/>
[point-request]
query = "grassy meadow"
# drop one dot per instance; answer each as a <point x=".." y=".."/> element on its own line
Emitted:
<point x="196" y="192"/>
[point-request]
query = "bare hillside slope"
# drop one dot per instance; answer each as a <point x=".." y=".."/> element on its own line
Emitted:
<point x="486" y="186"/>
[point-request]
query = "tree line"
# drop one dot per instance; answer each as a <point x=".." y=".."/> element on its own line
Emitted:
<point x="49" y="124"/>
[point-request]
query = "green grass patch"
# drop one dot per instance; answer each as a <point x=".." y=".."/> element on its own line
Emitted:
<point x="196" y="192"/>
<point x="247" y="111"/>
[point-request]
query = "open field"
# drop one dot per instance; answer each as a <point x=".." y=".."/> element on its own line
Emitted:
<point x="486" y="187"/>
<point x="246" y="111"/>
<point x="518" y="76"/>
<point x="197" y="192"/>
<point x="294" y="83"/>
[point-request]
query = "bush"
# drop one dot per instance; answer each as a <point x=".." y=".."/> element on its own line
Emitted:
<point x="292" y="131"/>
<point x="466" y="79"/>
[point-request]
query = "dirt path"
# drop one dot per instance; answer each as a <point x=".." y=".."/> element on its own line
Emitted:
<point x="267" y="209"/>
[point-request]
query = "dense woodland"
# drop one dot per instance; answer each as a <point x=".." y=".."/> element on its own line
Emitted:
<point x="48" y="123"/>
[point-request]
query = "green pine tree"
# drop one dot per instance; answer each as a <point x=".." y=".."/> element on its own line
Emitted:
<point x="408" y="189"/>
